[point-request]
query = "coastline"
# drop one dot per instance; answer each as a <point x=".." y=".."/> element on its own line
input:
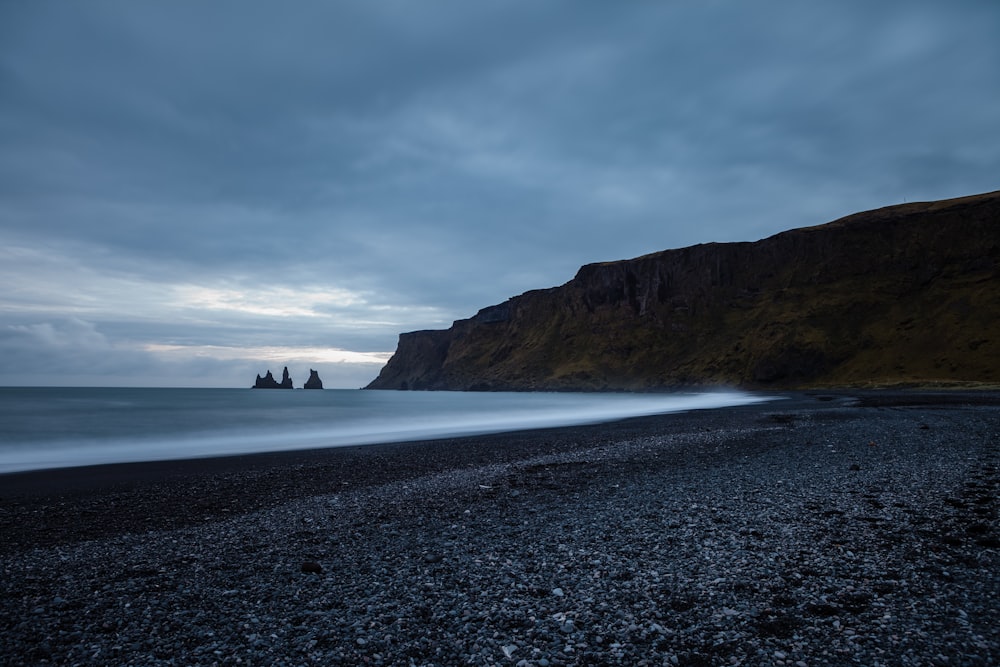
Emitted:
<point x="828" y="527"/>
<point x="221" y="486"/>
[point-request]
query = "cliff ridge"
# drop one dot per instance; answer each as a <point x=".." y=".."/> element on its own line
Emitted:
<point x="905" y="294"/>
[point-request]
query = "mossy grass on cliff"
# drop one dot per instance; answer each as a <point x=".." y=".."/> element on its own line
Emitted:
<point x="905" y="295"/>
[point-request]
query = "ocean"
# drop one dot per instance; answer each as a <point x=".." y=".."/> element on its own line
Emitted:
<point x="57" y="427"/>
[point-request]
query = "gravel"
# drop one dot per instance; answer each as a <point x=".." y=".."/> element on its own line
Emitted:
<point x="814" y="531"/>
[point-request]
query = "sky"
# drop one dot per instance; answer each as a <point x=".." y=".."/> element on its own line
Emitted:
<point x="193" y="192"/>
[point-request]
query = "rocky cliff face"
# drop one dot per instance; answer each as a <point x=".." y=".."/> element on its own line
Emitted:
<point x="899" y="295"/>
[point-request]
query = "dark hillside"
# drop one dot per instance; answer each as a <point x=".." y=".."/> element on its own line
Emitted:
<point x="901" y="295"/>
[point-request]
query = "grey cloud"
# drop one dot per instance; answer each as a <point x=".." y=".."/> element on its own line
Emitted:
<point x="69" y="346"/>
<point x="442" y="159"/>
<point x="77" y="352"/>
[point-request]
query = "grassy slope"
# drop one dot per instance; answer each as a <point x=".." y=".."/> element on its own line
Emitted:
<point x="902" y="295"/>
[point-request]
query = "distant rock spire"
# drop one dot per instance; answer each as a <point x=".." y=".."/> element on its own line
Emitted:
<point x="268" y="381"/>
<point x="313" y="382"/>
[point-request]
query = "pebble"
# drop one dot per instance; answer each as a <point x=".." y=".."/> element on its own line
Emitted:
<point x="674" y="542"/>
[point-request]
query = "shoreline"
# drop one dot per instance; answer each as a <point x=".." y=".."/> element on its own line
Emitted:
<point x="126" y="426"/>
<point x="223" y="486"/>
<point x="826" y="528"/>
<point x="21" y="485"/>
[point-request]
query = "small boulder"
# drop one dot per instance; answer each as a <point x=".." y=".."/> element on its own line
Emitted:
<point x="312" y="567"/>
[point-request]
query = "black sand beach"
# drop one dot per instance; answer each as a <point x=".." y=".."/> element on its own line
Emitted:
<point x="823" y="529"/>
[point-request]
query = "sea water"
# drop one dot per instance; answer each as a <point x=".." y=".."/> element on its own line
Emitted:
<point x="51" y="427"/>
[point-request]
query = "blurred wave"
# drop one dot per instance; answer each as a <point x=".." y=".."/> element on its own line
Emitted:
<point x="44" y="428"/>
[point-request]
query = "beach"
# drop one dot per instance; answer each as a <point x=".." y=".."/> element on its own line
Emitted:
<point x="827" y="528"/>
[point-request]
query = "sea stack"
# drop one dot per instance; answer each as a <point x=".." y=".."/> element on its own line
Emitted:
<point x="313" y="382"/>
<point x="268" y="381"/>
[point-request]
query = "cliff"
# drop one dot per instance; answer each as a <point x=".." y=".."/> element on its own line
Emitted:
<point x="905" y="294"/>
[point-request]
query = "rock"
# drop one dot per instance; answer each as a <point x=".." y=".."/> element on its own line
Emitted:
<point x="312" y="567"/>
<point x="313" y="382"/>
<point x="268" y="381"/>
<point x="821" y="609"/>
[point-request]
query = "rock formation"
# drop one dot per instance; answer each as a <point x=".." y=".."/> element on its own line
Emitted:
<point x="313" y="382"/>
<point x="268" y="381"/>
<point x="902" y="295"/>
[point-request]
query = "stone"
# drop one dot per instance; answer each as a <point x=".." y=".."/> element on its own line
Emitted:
<point x="313" y="382"/>
<point x="268" y="381"/>
<point x="312" y="567"/>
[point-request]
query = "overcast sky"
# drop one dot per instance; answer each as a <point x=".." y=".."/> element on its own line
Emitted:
<point x="194" y="192"/>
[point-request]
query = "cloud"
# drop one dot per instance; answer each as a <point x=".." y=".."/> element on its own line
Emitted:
<point x="270" y="302"/>
<point x="326" y="355"/>
<point x="134" y="329"/>
<point x="70" y="346"/>
<point x="74" y="351"/>
<point x="72" y="334"/>
<point x="332" y="174"/>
